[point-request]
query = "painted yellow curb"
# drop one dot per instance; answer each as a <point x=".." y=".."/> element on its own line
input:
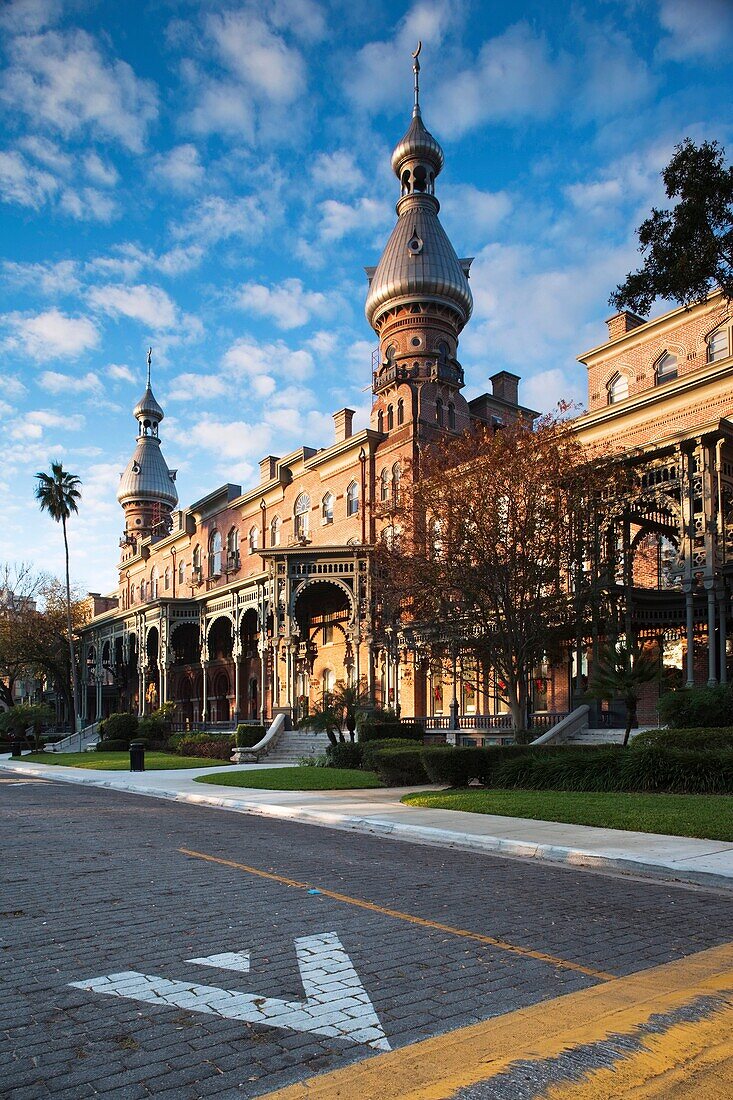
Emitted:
<point x="436" y="1068"/>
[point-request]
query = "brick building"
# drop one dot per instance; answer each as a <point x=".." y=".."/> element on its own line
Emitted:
<point x="254" y="601"/>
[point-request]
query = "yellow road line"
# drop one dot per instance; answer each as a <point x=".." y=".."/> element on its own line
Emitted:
<point x="684" y="1060"/>
<point x="492" y="941"/>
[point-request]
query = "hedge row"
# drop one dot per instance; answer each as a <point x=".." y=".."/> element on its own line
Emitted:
<point x="219" y="748"/>
<point x="700" y="740"/>
<point x="698" y="708"/>
<point x="371" y="730"/>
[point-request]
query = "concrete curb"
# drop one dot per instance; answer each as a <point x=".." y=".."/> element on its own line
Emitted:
<point x="415" y="834"/>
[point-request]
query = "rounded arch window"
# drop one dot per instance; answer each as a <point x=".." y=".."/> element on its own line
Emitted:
<point x="400" y="412"/>
<point x="143" y="591"/>
<point x="390" y="417"/>
<point x="666" y="368"/>
<point x="233" y="541"/>
<point x="384" y="486"/>
<point x="153" y="583"/>
<point x="275" y="531"/>
<point x="380" y="421"/>
<point x="352" y="499"/>
<point x="253" y="538"/>
<point x="215" y="554"/>
<point x="396" y="475"/>
<point x="451" y="415"/>
<point x="439" y="412"/>
<point x="717" y="345"/>
<point x="406" y="182"/>
<point x="618" y="388"/>
<point x="167" y="579"/>
<point x="302" y="515"/>
<point x="327" y="508"/>
<point x="197" y="558"/>
<point x="181" y="572"/>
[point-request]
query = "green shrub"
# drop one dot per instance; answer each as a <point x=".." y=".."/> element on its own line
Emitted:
<point x="699" y="740"/>
<point x="152" y="727"/>
<point x="119" y="727"/>
<point x="698" y="708"/>
<point x="399" y="767"/>
<point x="456" y="767"/>
<point x="247" y="736"/>
<point x="112" y="745"/>
<point x="347" y="754"/>
<point x="219" y="748"/>
<point x="369" y="749"/>
<point x="199" y="739"/>
<point x="381" y="731"/>
<point x="320" y="761"/>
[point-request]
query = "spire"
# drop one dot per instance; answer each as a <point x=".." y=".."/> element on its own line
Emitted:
<point x="150" y="359"/>
<point x="148" y="412"/>
<point x="416" y="71"/>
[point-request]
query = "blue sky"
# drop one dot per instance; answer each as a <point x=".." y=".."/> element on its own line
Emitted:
<point x="210" y="178"/>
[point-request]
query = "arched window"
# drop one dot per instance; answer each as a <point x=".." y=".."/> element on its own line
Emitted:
<point x="718" y="345"/>
<point x="132" y="593"/>
<point x="253" y="539"/>
<point x="666" y="368"/>
<point x="153" y="583"/>
<point x="327" y="508"/>
<point x="181" y="572"/>
<point x="384" y="485"/>
<point x="143" y="589"/>
<point x="302" y="516"/>
<point x="352" y="499"/>
<point x="327" y="681"/>
<point x="167" y="579"/>
<point x="380" y="421"/>
<point x="400" y="412"/>
<point x="275" y="531"/>
<point x="215" y="554"/>
<point x="197" y="563"/>
<point x="232" y="546"/>
<point x="451" y="416"/>
<point x="390" y="417"/>
<point x="435" y="538"/>
<point x="439" y="412"/>
<point x="396" y="475"/>
<point x="618" y="389"/>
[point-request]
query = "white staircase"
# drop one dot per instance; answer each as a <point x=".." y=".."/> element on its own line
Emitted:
<point x="293" y="744"/>
<point x="76" y="742"/>
<point x="600" y="737"/>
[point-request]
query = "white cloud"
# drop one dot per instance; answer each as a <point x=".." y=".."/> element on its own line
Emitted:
<point x="216" y="218"/>
<point x="150" y="305"/>
<point x="24" y="183"/>
<point x="288" y="304"/>
<point x="46" y="419"/>
<point x="197" y="387"/>
<point x="614" y="75"/>
<point x="476" y="211"/>
<point x="337" y="171"/>
<point x="246" y="358"/>
<point x="234" y="439"/>
<point x="302" y="18"/>
<point x="46" y="152"/>
<point x="13" y="387"/>
<point x="177" y="261"/>
<point x="337" y="218"/>
<point x="88" y="204"/>
<point x="53" y="279"/>
<point x="120" y="372"/>
<point x="514" y="77"/>
<point x="61" y="80"/>
<point x="102" y="172"/>
<point x="695" y="30"/>
<point x="28" y="16"/>
<point x="223" y="107"/>
<point x="55" y="383"/>
<point x="256" y="55"/>
<point x="50" y="335"/>
<point x="127" y="262"/>
<point x="543" y="391"/>
<point x="179" y="168"/>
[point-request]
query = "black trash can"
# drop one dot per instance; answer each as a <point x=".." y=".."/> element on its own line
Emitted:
<point x="137" y="756"/>
<point x="17" y="749"/>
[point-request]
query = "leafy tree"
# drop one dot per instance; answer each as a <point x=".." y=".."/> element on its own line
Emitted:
<point x="18" y="719"/>
<point x="338" y="710"/>
<point x="483" y="540"/>
<point x="688" y="250"/>
<point x="58" y="494"/>
<point x="621" y="672"/>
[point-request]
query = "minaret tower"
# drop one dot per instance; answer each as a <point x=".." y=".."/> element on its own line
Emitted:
<point x="146" y="491"/>
<point x="419" y="298"/>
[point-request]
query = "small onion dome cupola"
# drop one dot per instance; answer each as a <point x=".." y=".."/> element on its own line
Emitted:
<point x="146" y="477"/>
<point x="419" y="264"/>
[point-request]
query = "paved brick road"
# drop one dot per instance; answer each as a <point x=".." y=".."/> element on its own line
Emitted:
<point x="94" y="884"/>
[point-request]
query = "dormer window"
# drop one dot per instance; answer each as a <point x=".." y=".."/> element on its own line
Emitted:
<point x="666" y="368"/>
<point x="618" y="389"/>
<point x="718" y="345"/>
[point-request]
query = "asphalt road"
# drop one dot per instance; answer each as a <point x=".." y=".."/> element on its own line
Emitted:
<point x="132" y="966"/>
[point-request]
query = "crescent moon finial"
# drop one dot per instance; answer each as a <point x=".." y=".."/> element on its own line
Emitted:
<point x="416" y="71"/>
<point x="416" y="54"/>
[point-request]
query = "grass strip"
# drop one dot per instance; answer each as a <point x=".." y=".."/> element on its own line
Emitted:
<point x="707" y="816"/>
<point x="296" y="779"/>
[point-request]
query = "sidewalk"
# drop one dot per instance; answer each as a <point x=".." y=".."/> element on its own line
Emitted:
<point x="380" y="813"/>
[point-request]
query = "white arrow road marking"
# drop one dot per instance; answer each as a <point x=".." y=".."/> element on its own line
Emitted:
<point x="228" y="960"/>
<point x="336" y="1004"/>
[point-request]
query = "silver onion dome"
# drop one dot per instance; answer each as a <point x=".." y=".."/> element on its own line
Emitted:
<point x="147" y="477"/>
<point x="147" y="407"/>
<point x="417" y="144"/>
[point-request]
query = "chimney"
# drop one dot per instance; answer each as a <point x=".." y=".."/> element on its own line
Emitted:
<point x="505" y="386"/>
<point x="342" y="424"/>
<point x="268" y="468"/>
<point x="622" y="323"/>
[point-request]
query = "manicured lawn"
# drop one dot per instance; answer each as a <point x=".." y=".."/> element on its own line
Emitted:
<point x="709" y="816"/>
<point x="296" y="779"/>
<point x="120" y="761"/>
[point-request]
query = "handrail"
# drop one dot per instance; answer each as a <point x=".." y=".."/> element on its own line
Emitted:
<point x="263" y="747"/>
<point x="575" y="721"/>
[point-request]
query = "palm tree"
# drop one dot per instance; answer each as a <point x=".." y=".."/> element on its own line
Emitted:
<point x="338" y="710"/>
<point x="622" y="671"/>
<point x="57" y="493"/>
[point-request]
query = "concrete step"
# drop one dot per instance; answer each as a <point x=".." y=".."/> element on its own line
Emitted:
<point x="599" y="737"/>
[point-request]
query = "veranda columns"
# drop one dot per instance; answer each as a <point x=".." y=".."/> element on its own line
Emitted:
<point x="712" y="679"/>
<point x="723" y="634"/>
<point x="204" y="692"/>
<point x="689" y="608"/>
<point x="237" y="658"/>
